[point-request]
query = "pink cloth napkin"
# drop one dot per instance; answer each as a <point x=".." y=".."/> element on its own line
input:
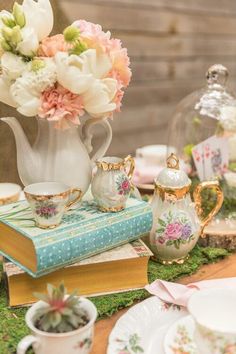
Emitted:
<point x="179" y="294"/>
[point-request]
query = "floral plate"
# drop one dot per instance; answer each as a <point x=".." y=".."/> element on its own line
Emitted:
<point x="179" y="338"/>
<point x="143" y="327"/>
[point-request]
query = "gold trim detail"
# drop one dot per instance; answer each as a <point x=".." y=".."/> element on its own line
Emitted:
<point x="42" y="198"/>
<point x="112" y="209"/>
<point x="174" y="261"/>
<point x="53" y="226"/>
<point x="8" y="200"/>
<point x="109" y="166"/>
<point x="171" y="193"/>
<point x="198" y="201"/>
<point x="173" y="162"/>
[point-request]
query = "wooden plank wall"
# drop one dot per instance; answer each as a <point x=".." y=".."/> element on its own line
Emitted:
<point x="171" y="45"/>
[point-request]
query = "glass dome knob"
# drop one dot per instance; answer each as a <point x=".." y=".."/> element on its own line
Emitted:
<point x="217" y="74"/>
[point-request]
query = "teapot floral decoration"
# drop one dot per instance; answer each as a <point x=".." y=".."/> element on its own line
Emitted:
<point x="178" y="222"/>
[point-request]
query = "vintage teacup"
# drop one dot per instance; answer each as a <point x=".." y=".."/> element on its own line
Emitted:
<point x="75" y="342"/>
<point x="111" y="185"/>
<point x="49" y="201"/>
<point x="154" y="154"/>
<point x="214" y="313"/>
<point x="9" y="193"/>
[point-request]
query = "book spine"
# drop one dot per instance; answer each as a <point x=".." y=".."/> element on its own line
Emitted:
<point x="100" y="239"/>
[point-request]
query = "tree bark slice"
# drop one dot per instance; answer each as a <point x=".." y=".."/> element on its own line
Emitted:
<point x="220" y="233"/>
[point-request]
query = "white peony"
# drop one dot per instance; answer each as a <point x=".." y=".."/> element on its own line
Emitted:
<point x="73" y="72"/>
<point x="98" y="65"/>
<point x="29" y="44"/>
<point x="5" y="95"/>
<point x="27" y="89"/>
<point x="39" y="16"/>
<point x="98" y="99"/>
<point x="12" y="66"/>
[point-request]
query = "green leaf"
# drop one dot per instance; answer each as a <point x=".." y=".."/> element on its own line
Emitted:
<point x="162" y="222"/>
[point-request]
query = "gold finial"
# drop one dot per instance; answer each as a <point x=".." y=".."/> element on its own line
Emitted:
<point x="173" y="161"/>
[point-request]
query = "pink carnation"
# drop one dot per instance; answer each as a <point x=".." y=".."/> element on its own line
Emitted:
<point x="120" y="63"/>
<point x="62" y="106"/>
<point x="51" y="45"/>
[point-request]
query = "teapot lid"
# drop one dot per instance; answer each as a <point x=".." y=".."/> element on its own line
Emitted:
<point x="172" y="177"/>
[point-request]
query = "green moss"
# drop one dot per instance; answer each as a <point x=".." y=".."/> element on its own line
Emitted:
<point x="12" y="323"/>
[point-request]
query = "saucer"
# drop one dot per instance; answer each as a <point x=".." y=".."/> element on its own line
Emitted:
<point x="179" y="338"/>
<point x="9" y="193"/>
<point x="143" y="327"/>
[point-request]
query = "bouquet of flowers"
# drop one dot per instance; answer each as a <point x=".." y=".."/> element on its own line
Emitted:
<point x="62" y="77"/>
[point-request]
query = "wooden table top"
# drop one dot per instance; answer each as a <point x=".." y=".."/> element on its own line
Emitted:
<point x="222" y="269"/>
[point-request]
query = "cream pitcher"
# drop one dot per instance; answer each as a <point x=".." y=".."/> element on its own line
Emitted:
<point x="178" y="222"/>
<point x="111" y="185"/>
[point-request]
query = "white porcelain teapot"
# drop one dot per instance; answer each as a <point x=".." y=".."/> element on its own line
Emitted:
<point x="178" y="222"/>
<point x="58" y="155"/>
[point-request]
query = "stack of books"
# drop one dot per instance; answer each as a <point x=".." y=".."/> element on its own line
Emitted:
<point x="91" y="251"/>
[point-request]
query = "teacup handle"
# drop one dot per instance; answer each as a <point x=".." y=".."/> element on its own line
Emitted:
<point x="76" y="199"/>
<point x="198" y="201"/>
<point x="25" y="343"/>
<point x="130" y="161"/>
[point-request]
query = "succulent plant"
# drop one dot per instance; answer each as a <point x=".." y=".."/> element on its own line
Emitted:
<point x="62" y="313"/>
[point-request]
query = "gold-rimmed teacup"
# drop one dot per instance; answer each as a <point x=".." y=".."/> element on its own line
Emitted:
<point x="49" y="201"/>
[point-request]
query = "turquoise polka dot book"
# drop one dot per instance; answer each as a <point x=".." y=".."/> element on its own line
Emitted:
<point x="84" y="232"/>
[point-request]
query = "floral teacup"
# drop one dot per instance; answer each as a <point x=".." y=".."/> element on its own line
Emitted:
<point x="49" y="201"/>
<point x="214" y="313"/>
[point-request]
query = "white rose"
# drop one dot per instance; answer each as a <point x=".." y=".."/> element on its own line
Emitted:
<point x="97" y="64"/>
<point x="29" y="44"/>
<point x="98" y="99"/>
<point x="38" y="16"/>
<point x="12" y="65"/>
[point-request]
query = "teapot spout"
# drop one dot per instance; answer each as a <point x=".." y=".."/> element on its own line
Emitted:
<point x="24" y="150"/>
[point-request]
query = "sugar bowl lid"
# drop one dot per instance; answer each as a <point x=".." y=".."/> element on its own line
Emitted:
<point x="172" y="177"/>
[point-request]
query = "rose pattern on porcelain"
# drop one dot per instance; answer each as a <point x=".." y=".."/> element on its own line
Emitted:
<point x="174" y="229"/>
<point x="111" y="185"/>
<point x="177" y="220"/>
<point x="216" y="342"/>
<point x="131" y="345"/>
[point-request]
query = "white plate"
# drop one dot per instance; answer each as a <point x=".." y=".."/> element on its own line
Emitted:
<point x="180" y="337"/>
<point x="143" y="327"/>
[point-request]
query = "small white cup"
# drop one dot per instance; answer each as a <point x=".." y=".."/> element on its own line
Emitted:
<point x="154" y="154"/>
<point x="75" y="342"/>
<point x="49" y="201"/>
<point x="214" y="313"/>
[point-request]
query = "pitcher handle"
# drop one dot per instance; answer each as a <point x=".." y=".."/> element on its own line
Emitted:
<point x="198" y="201"/>
<point x="129" y="161"/>
<point x="88" y="137"/>
<point x="78" y="194"/>
<point x="26" y="343"/>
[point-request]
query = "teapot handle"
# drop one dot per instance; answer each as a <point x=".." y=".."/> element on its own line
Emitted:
<point x="198" y="201"/>
<point x="88" y="135"/>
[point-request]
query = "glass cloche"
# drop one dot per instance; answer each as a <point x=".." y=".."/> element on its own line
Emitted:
<point x="203" y="133"/>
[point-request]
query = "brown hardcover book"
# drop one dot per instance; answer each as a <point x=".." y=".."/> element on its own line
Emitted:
<point x="121" y="269"/>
